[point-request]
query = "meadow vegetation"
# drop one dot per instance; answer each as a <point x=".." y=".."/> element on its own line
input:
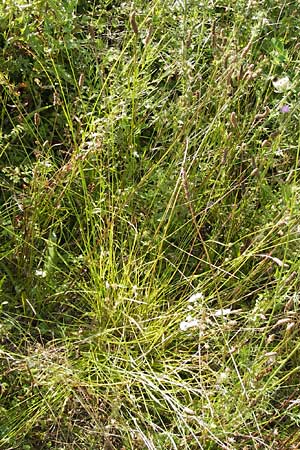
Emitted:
<point x="150" y="224"/>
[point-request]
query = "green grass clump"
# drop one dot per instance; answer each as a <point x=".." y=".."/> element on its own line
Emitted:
<point x="149" y="228"/>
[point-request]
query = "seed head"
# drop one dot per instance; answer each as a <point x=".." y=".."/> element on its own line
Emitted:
<point x="133" y="23"/>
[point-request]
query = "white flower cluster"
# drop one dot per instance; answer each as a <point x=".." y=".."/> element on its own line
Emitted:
<point x="195" y="297"/>
<point x="41" y="273"/>
<point x="282" y="84"/>
<point x="190" y="321"/>
<point x="201" y="319"/>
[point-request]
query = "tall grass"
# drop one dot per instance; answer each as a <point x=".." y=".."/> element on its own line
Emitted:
<point x="149" y="225"/>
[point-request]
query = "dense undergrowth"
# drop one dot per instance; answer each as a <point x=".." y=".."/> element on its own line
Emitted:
<point x="149" y="224"/>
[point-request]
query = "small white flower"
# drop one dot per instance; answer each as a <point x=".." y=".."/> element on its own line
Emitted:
<point x="223" y="376"/>
<point x="195" y="297"/>
<point x="45" y="164"/>
<point x="222" y="312"/>
<point x="279" y="152"/>
<point x="134" y="290"/>
<point x="41" y="273"/>
<point x="282" y="84"/>
<point x="190" y="322"/>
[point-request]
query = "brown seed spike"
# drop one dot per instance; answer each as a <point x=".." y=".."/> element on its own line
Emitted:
<point x="265" y="143"/>
<point x="233" y="119"/>
<point x="246" y="49"/>
<point x="241" y="73"/>
<point x="133" y="23"/>
<point x="36" y="119"/>
<point x="262" y="115"/>
<point x="188" y="39"/>
<point x="81" y="80"/>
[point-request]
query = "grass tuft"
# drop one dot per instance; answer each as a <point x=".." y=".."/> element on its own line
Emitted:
<point x="149" y="230"/>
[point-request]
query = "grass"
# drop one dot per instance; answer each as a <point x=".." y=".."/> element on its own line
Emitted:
<point x="149" y="225"/>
